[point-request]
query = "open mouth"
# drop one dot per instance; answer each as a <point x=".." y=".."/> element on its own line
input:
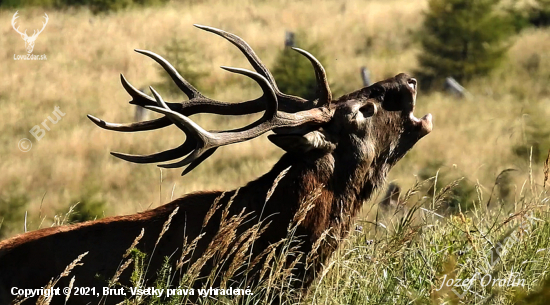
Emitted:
<point x="425" y="123"/>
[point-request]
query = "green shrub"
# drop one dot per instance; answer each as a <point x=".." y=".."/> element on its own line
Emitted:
<point x="293" y="72"/>
<point x="462" y="39"/>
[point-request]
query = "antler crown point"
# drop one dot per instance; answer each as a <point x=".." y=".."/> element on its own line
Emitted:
<point x="141" y="51"/>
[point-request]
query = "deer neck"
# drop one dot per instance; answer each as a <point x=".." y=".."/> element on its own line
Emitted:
<point x="337" y="185"/>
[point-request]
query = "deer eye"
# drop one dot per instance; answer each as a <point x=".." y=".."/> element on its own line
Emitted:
<point x="368" y="110"/>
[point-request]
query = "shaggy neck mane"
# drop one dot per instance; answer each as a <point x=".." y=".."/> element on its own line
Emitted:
<point x="339" y="184"/>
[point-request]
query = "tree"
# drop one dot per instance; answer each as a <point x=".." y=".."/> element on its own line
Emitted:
<point x="462" y="39"/>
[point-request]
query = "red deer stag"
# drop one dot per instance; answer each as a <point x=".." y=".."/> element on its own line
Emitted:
<point x="339" y="149"/>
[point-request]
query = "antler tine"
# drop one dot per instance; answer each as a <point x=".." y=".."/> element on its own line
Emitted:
<point x="203" y="137"/>
<point x="185" y="123"/>
<point x="198" y="103"/>
<point x="272" y="105"/>
<point x="137" y="126"/>
<point x="325" y="96"/>
<point x="166" y="155"/>
<point x="270" y="120"/>
<point x="282" y="111"/>
<point x="184" y="85"/>
<point x="139" y="98"/>
<point x="211" y="141"/>
<point x="198" y="161"/>
<point x="200" y="144"/>
<point x="162" y="156"/>
<point x="323" y="88"/>
<point x="253" y="59"/>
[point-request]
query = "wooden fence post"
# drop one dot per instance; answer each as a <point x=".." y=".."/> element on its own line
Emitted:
<point x="365" y="75"/>
<point x="289" y="39"/>
<point x="453" y="87"/>
<point x="141" y="114"/>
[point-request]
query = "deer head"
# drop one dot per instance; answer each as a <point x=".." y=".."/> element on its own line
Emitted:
<point x="373" y="125"/>
<point x="29" y="41"/>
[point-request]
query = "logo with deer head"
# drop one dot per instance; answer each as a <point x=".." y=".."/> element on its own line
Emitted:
<point x="29" y="40"/>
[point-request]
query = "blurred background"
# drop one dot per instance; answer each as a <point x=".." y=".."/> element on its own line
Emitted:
<point x="483" y="67"/>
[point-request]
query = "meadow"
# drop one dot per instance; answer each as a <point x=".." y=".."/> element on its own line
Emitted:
<point x="475" y="139"/>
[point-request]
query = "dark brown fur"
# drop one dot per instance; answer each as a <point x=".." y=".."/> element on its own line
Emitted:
<point x="364" y="148"/>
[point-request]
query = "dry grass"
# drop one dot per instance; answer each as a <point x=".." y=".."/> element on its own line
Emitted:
<point x="86" y="53"/>
<point x="406" y="265"/>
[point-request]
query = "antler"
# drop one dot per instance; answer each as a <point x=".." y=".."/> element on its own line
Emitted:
<point x="13" y="24"/>
<point x="281" y="110"/>
<point x="198" y="103"/>
<point x="43" y="26"/>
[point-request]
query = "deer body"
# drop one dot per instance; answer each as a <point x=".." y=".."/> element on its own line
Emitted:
<point x="335" y="208"/>
<point x="340" y="150"/>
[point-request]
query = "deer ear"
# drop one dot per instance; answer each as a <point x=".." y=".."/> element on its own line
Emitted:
<point x="294" y="143"/>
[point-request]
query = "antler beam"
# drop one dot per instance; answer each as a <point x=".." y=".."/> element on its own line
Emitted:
<point x="281" y="110"/>
<point x="198" y="103"/>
